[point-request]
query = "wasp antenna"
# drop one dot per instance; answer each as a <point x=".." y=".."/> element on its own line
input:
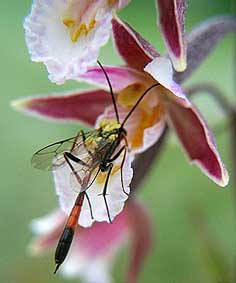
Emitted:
<point x="56" y="269"/>
<point x="137" y="103"/>
<point x="111" y="91"/>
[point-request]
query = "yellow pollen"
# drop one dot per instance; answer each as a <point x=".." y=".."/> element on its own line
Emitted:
<point x="76" y="29"/>
<point x="68" y="22"/>
<point x="101" y="178"/>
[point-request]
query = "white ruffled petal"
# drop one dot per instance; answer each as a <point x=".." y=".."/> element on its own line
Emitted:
<point x="48" y="40"/>
<point x="115" y="198"/>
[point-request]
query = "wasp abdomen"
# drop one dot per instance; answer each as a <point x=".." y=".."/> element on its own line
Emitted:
<point x="63" y="246"/>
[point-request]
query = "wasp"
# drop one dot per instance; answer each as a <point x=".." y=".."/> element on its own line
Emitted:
<point x="87" y="154"/>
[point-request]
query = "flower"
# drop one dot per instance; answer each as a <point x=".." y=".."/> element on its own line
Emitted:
<point x="166" y="103"/>
<point x="94" y="248"/>
<point x="66" y="35"/>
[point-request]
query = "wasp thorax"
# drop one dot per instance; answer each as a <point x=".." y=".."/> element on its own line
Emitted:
<point x="109" y="129"/>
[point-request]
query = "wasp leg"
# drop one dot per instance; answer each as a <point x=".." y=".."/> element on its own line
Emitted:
<point x="67" y="158"/>
<point x="117" y="154"/>
<point x="124" y="148"/>
<point x="80" y="133"/>
<point x="121" y="172"/>
<point x="104" y="193"/>
<point x="90" y="206"/>
<point x="85" y="146"/>
<point x="75" y="159"/>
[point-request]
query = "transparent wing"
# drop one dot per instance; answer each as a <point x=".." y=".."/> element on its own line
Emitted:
<point x="88" y="172"/>
<point x="51" y="157"/>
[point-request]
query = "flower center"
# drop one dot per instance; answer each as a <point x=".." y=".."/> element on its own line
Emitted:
<point x="80" y="16"/>
<point x="149" y="111"/>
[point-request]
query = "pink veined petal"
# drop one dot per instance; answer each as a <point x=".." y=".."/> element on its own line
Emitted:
<point x="80" y="106"/>
<point x="197" y="140"/>
<point x="134" y="49"/>
<point x="172" y="27"/>
<point x="120" y="77"/>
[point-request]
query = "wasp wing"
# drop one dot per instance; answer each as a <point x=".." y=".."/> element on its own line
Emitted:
<point x="51" y="157"/>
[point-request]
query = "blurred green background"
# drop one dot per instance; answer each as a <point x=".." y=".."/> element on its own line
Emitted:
<point x="173" y="192"/>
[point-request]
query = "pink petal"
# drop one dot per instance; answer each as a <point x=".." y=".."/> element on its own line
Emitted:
<point x="141" y="238"/>
<point x="101" y="236"/>
<point x="120" y="77"/>
<point x="94" y="248"/>
<point x="135" y="50"/>
<point x="172" y="26"/>
<point x="197" y="141"/>
<point x="48" y="230"/>
<point x="81" y="106"/>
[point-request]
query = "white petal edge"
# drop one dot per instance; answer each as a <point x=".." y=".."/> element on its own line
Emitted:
<point x="48" y="40"/>
<point x="48" y="223"/>
<point x="161" y="70"/>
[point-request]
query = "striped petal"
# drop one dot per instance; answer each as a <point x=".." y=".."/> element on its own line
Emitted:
<point x="134" y="49"/>
<point x="171" y="20"/>
<point x="80" y="106"/>
<point x="197" y="141"/>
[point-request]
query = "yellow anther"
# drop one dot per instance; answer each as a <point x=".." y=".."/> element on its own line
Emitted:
<point x="76" y="29"/>
<point x="92" y="24"/>
<point x="68" y="22"/>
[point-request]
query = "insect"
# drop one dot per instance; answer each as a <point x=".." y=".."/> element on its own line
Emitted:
<point x="87" y="154"/>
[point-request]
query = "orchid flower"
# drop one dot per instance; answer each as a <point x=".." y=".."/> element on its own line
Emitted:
<point x="93" y="249"/>
<point x="164" y="104"/>
<point x="67" y="35"/>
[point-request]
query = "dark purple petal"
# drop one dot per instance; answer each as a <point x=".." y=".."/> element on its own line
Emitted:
<point x="134" y="49"/>
<point x="80" y="106"/>
<point x="197" y="141"/>
<point x="171" y="20"/>
<point x="202" y="40"/>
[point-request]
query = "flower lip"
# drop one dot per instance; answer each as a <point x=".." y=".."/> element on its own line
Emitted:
<point x="67" y="49"/>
